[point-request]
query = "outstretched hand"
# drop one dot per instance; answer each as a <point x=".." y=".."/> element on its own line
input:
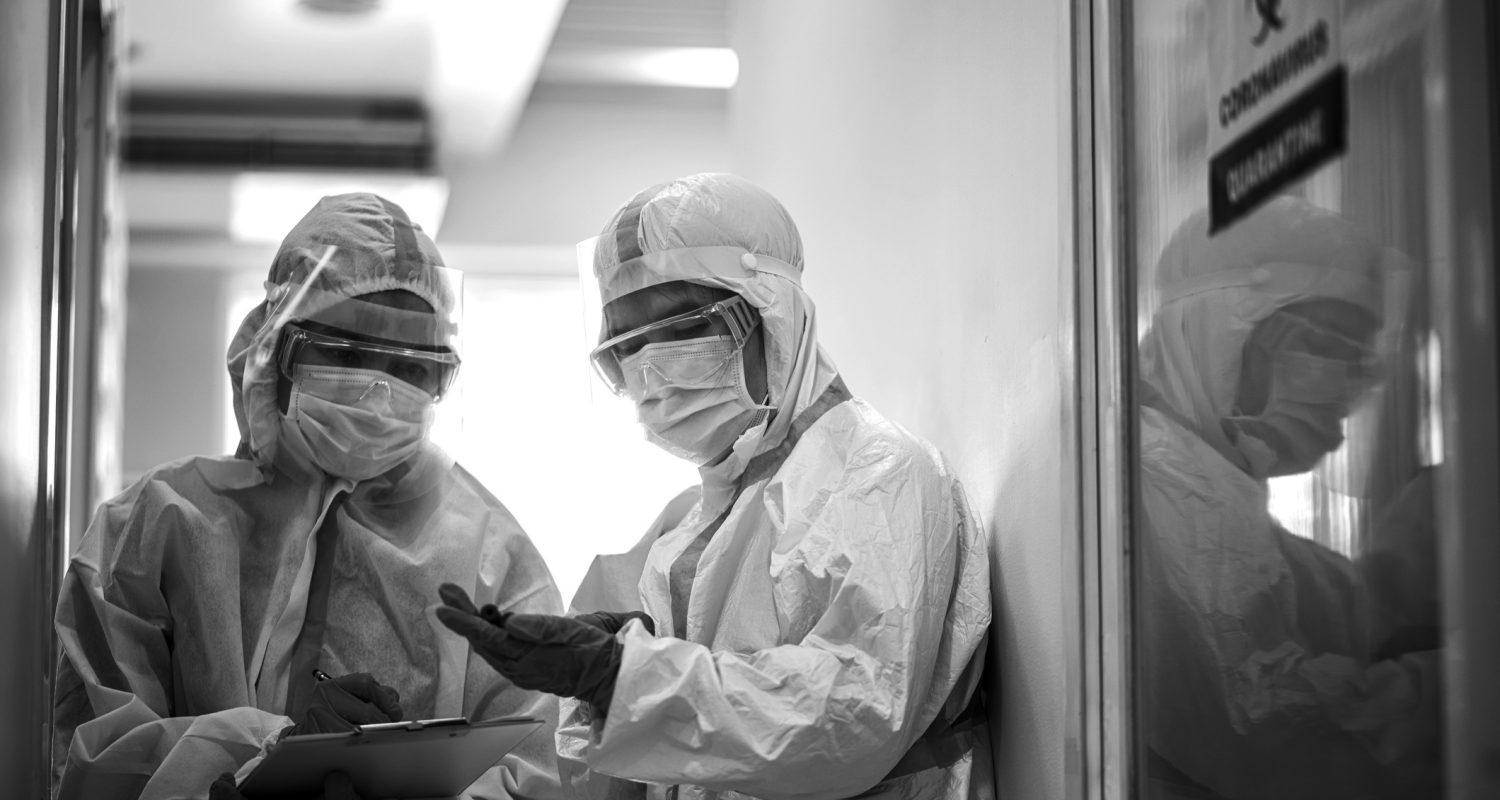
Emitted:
<point x="614" y="621"/>
<point x="544" y="652"/>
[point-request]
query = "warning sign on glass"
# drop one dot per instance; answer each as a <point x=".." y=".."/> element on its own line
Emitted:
<point x="1277" y="99"/>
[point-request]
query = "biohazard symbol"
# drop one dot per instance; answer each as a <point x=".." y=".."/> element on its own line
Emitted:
<point x="1270" y="19"/>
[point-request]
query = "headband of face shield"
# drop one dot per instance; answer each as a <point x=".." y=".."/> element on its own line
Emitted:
<point x="729" y="266"/>
<point x="732" y="315"/>
<point x="385" y="324"/>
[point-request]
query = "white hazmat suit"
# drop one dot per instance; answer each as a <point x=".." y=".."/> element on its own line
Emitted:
<point x="201" y="597"/>
<point x="822" y="610"/>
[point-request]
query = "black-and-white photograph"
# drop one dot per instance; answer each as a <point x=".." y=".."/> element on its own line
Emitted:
<point x="777" y="399"/>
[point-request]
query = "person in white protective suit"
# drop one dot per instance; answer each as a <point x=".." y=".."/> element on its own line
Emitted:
<point x="1256" y="644"/>
<point x="820" y="611"/>
<point x="203" y="598"/>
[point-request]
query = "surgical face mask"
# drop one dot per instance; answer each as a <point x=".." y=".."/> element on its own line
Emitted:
<point x="691" y="396"/>
<point x="1303" y="417"/>
<point x="355" y="423"/>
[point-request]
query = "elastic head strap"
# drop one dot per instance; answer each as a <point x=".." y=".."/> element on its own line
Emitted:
<point x="627" y="229"/>
<point x="408" y="252"/>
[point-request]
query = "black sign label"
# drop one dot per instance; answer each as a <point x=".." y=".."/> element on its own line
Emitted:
<point x="1306" y="133"/>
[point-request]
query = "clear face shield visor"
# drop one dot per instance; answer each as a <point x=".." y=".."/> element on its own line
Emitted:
<point x="409" y="333"/>
<point x="732" y="316"/>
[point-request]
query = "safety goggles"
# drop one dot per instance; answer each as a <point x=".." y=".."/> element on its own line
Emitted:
<point x="738" y="316"/>
<point x="430" y="371"/>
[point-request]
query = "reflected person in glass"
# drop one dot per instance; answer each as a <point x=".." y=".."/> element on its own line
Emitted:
<point x="1255" y="645"/>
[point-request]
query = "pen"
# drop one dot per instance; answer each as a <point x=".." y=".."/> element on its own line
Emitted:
<point x="321" y="675"/>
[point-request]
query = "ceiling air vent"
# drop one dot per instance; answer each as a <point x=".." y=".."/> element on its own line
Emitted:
<point x="272" y="132"/>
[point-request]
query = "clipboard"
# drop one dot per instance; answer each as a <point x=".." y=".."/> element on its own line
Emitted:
<point x="425" y="758"/>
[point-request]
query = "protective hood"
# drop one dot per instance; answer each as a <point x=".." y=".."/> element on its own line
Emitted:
<point x="1211" y="293"/>
<point x="347" y="246"/>
<point x="720" y="230"/>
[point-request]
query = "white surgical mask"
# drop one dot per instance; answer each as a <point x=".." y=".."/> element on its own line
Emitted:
<point x="1303" y="419"/>
<point x="691" y="396"/>
<point x="355" y="423"/>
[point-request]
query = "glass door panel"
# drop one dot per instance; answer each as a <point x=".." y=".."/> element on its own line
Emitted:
<point x="1287" y="628"/>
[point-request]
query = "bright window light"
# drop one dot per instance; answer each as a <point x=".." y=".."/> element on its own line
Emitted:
<point x="570" y="463"/>
<point x="693" y="67"/>
<point x="265" y="205"/>
<point x="706" y="67"/>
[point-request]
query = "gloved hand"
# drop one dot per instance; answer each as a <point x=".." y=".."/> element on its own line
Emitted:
<point x="224" y="788"/>
<point x="543" y="652"/>
<point x="340" y="704"/>
<point x="613" y="621"/>
<point x="336" y="786"/>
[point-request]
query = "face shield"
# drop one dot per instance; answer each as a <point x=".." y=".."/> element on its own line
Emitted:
<point x="406" y="329"/>
<point x="754" y="278"/>
<point x="1330" y="357"/>
<point x="1303" y="370"/>
<point x="1308" y="397"/>
<point x="732" y="319"/>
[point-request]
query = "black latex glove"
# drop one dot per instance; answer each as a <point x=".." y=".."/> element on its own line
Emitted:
<point x="341" y="703"/>
<point x="224" y="788"/>
<point x="336" y="786"/>
<point x="544" y="652"/>
<point x="613" y="621"/>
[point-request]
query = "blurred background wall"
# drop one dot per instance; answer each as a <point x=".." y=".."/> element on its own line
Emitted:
<point x="28" y="409"/>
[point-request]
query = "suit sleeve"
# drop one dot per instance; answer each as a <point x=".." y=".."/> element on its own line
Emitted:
<point x="116" y="732"/>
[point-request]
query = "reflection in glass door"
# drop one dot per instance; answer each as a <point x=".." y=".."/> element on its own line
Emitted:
<point x="1288" y="623"/>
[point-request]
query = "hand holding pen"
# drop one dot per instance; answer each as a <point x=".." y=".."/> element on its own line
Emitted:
<point x="343" y="703"/>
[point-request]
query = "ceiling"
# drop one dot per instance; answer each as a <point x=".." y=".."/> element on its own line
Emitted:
<point x="644" y="23"/>
<point x="472" y="63"/>
<point x="334" y="70"/>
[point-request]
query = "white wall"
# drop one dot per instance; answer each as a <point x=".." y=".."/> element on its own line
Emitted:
<point x="924" y="149"/>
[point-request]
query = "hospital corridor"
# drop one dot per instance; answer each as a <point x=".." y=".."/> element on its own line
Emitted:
<point x="784" y="399"/>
